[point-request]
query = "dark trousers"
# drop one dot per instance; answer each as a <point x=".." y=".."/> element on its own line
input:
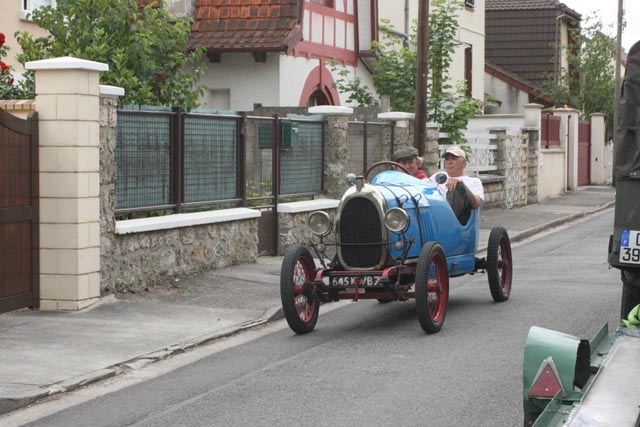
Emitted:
<point x="460" y="204"/>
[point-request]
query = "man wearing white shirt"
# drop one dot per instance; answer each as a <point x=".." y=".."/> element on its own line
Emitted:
<point x="464" y="193"/>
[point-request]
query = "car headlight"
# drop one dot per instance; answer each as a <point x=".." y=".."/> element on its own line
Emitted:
<point x="320" y="223"/>
<point x="396" y="220"/>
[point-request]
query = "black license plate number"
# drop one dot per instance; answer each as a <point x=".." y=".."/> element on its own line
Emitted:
<point x="353" y="280"/>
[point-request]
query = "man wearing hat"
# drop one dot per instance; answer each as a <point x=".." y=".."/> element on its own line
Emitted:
<point x="407" y="156"/>
<point x="464" y="193"/>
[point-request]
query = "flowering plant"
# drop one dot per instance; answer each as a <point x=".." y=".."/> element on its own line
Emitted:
<point x="8" y="88"/>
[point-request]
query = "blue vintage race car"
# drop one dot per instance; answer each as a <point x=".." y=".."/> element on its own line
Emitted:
<point x="395" y="238"/>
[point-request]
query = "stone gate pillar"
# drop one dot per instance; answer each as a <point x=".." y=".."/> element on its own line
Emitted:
<point x="532" y="128"/>
<point x="569" y="141"/>
<point x="67" y="100"/>
<point x="336" y="149"/>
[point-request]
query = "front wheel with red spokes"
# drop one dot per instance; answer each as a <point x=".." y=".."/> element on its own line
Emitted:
<point x="432" y="287"/>
<point x="297" y="292"/>
<point x="499" y="264"/>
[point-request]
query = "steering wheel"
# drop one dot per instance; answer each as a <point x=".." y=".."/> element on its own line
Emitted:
<point x="385" y="162"/>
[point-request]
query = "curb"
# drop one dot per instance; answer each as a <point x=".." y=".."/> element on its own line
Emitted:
<point x="25" y="396"/>
<point x="524" y="234"/>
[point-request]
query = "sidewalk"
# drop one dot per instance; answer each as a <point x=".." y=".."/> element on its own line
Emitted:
<point x="44" y="353"/>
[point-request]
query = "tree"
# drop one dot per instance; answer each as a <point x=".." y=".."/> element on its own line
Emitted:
<point x="146" y="49"/>
<point x="589" y="83"/>
<point x="395" y="73"/>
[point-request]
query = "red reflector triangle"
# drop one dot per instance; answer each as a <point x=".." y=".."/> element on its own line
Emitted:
<point x="547" y="382"/>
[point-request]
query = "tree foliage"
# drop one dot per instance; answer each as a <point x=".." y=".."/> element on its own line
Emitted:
<point x="397" y="68"/>
<point x="146" y="49"/>
<point x="359" y="94"/>
<point x="589" y="83"/>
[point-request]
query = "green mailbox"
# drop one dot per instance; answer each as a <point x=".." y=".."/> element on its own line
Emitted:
<point x="290" y="133"/>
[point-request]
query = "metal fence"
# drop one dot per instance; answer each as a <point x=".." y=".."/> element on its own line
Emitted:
<point x="483" y="148"/>
<point x="175" y="161"/>
<point x="367" y="144"/>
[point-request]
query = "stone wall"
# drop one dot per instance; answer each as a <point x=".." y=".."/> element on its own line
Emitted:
<point x="494" y="192"/>
<point x="137" y="260"/>
<point x="294" y="229"/>
<point x="134" y="261"/>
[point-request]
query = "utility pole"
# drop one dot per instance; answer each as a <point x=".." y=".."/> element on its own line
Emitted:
<point x="618" y="84"/>
<point x="421" y="77"/>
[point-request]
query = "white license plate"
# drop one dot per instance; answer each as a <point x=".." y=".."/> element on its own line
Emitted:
<point x="630" y="246"/>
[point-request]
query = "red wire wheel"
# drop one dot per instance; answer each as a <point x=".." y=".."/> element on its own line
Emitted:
<point x="297" y="292"/>
<point x="499" y="264"/>
<point x="432" y="287"/>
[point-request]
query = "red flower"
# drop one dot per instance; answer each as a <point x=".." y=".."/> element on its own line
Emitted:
<point x="11" y="81"/>
<point x="4" y="67"/>
<point x="2" y="39"/>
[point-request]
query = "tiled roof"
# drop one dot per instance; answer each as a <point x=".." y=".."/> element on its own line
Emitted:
<point x="529" y="5"/>
<point x="245" y="25"/>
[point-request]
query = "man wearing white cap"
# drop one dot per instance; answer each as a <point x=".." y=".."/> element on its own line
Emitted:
<point x="464" y="193"/>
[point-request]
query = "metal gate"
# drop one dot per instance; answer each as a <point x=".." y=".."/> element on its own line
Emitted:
<point x="18" y="212"/>
<point x="584" y="152"/>
<point x="550" y="137"/>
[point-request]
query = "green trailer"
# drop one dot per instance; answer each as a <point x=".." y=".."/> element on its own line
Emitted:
<point x="568" y="381"/>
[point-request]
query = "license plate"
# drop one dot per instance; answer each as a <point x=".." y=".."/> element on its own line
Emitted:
<point x="630" y="246"/>
<point x="351" y="280"/>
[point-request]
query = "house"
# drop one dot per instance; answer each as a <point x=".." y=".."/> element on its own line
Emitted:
<point x="468" y="58"/>
<point x="509" y="92"/>
<point x="524" y="43"/>
<point x="276" y="52"/>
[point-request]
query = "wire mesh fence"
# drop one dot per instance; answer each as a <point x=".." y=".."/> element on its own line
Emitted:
<point x="210" y="153"/>
<point x="143" y="158"/>
<point x="368" y="143"/>
<point x="175" y="161"/>
<point x="301" y="163"/>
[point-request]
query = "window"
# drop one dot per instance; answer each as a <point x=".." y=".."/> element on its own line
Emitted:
<point x="327" y="3"/>
<point x="468" y="70"/>
<point x="28" y="6"/>
<point x="469" y="3"/>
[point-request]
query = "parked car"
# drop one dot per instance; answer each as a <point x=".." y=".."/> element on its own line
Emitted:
<point x="393" y="238"/>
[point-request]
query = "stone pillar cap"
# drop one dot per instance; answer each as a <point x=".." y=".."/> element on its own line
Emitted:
<point x="106" y="90"/>
<point x="66" y="63"/>
<point x="396" y="115"/>
<point x="331" y="110"/>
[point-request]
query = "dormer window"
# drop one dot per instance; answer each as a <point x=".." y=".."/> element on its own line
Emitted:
<point x="327" y="3"/>
<point x="28" y="6"/>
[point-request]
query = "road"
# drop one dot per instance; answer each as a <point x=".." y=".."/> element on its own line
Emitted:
<point x="370" y="364"/>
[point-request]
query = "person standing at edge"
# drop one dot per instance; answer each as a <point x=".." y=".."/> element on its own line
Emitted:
<point x="408" y="157"/>
<point x="464" y="193"/>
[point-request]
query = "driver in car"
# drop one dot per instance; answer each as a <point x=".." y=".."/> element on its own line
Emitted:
<point x="464" y="193"/>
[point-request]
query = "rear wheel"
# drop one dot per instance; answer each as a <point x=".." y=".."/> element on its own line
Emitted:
<point x="299" y="302"/>
<point x="499" y="264"/>
<point x="432" y="287"/>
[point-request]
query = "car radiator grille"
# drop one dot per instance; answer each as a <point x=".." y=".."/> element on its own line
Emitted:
<point x="360" y="234"/>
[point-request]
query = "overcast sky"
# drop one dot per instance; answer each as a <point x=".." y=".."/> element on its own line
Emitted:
<point x="607" y="11"/>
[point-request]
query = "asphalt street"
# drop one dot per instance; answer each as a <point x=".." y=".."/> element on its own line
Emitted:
<point x="45" y="354"/>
